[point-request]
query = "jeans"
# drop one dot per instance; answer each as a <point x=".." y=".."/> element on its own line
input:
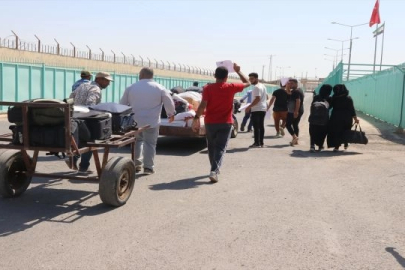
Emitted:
<point x="146" y="146"/>
<point x="244" y="121"/>
<point x="217" y="140"/>
<point x="292" y="124"/>
<point x="84" y="160"/>
<point x="258" y="126"/>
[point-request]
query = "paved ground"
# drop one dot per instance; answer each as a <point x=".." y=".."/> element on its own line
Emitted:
<point x="279" y="207"/>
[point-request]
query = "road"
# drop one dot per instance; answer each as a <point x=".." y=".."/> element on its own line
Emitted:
<point x="277" y="207"/>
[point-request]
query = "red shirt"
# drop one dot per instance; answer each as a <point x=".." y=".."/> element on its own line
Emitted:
<point x="219" y="98"/>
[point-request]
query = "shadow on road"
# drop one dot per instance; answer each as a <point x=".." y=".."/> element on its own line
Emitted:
<point x="397" y="256"/>
<point x="182" y="184"/>
<point x="45" y="204"/>
<point x="323" y="154"/>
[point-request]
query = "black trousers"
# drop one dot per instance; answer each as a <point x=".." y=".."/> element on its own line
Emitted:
<point x="293" y="124"/>
<point x="258" y="126"/>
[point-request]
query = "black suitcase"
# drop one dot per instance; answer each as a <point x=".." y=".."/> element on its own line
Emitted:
<point x="98" y="123"/>
<point x="122" y="116"/>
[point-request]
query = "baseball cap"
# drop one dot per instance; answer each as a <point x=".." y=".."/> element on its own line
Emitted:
<point x="85" y="73"/>
<point x="104" y="75"/>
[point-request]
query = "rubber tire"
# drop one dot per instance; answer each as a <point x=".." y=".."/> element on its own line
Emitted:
<point x="235" y="127"/>
<point x="110" y="181"/>
<point x="12" y="184"/>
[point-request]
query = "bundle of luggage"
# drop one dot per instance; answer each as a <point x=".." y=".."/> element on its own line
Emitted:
<point x="47" y="124"/>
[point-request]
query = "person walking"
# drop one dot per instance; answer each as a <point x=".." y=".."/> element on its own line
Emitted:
<point x="88" y="94"/>
<point x="85" y="78"/>
<point x="293" y="115"/>
<point x="217" y="102"/>
<point x="246" y="118"/>
<point x="319" y="117"/>
<point x="258" y="108"/>
<point x="280" y="109"/>
<point x="342" y="117"/>
<point x="146" y="98"/>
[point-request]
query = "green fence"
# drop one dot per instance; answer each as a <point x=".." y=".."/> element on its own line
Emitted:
<point x="20" y="82"/>
<point x="379" y="94"/>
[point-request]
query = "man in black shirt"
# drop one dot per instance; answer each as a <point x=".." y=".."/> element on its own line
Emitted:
<point x="280" y="99"/>
<point x="295" y="110"/>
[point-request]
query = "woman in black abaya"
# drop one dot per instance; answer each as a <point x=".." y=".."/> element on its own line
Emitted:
<point x="341" y="120"/>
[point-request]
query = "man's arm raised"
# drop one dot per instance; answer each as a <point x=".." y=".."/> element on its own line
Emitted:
<point x="243" y="78"/>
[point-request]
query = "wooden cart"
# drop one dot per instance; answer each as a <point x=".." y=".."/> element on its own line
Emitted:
<point x="116" y="175"/>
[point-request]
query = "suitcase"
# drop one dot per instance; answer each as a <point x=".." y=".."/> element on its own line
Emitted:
<point x="122" y="116"/>
<point x="45" y="136"/>
<point x="98" y="123"/>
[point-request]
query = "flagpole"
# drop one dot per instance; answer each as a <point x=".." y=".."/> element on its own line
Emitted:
<point x="375" y="49"/>
<point x="382" y="46"/>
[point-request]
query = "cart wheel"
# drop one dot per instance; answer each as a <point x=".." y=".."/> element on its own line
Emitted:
<point x="235" y="127"/>
<point x="12" y="181"/>
<point x="117" y="181"/>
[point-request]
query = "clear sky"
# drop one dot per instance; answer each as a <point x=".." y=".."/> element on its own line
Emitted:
<point x="199" y="33"/>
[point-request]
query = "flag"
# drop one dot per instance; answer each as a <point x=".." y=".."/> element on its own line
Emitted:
<point x="375" y="16"/>
<point x="379" y="30"/>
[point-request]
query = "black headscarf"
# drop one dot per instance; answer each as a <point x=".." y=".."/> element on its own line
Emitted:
<point x="340" y="90"/>
<point x="325" y="91"/>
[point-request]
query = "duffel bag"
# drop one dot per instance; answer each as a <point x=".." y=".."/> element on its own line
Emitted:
<point x="49" y="116"/>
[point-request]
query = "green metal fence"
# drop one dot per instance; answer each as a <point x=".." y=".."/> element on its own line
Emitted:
<point x="20" y="82"/>
<point x="380" y="94"/>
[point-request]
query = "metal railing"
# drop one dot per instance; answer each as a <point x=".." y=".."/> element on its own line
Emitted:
<point x="14" y="42"/>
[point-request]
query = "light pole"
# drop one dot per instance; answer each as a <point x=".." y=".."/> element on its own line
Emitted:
<point x="337" y="53"/>
<point x="351" y="43"/>
<point x="343" y="41"/>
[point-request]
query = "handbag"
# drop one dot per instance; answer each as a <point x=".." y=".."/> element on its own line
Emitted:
<point x="356" y="136"/>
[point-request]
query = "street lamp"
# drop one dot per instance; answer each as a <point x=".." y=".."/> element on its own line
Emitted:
<point x="351" y="42"/>
<point x="343" y="41"/>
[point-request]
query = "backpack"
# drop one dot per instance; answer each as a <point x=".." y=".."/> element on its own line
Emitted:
<point x="319" y="113"/>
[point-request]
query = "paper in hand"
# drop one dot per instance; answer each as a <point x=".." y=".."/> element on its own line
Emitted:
<point x="226" y="63"/>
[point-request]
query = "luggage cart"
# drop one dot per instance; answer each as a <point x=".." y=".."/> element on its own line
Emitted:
<point x="116" y="175"/>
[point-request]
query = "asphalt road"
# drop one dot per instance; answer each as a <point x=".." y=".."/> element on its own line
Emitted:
<point x="277" y="207"/>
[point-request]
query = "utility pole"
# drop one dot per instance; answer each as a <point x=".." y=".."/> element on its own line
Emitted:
<point x="263" y="73"/>
<point x="270" y="67"/>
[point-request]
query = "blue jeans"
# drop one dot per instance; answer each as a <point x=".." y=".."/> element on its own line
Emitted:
<point x="84" y="160"/>
<point x="146" y="146"/>
<point x="217" y="140"/>
<point x="244" y="121"/>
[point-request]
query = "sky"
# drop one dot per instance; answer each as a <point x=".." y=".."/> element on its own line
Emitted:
<point x="200" y="33"/>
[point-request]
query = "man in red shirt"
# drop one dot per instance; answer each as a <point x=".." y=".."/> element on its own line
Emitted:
<point x="217" y="101"/>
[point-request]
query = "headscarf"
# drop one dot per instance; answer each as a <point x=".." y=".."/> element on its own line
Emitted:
<point x="340" y="90"/>
<point x="325" y="91"/>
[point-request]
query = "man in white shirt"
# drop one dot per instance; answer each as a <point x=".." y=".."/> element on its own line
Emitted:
<point x="146" y="98"/>
<point x="258" y="107"/>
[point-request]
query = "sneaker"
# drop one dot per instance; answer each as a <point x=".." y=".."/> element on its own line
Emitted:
<point x="213" y="177"/>
<point x="254" y="146"/>
<point x="84" y="171"/>
<point x="242" y="128"/>
<point x="312" y="149"/>
<point x="138" y="168"/>
<point x="336" y="149"/>
<point x="262" y="145"/>
<point x="282" y="133"/>
<point x="346" y="146"/>
<point x="278" y="135"/>
<point x="69" y="164"/>
<point x="148" y="171"/>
